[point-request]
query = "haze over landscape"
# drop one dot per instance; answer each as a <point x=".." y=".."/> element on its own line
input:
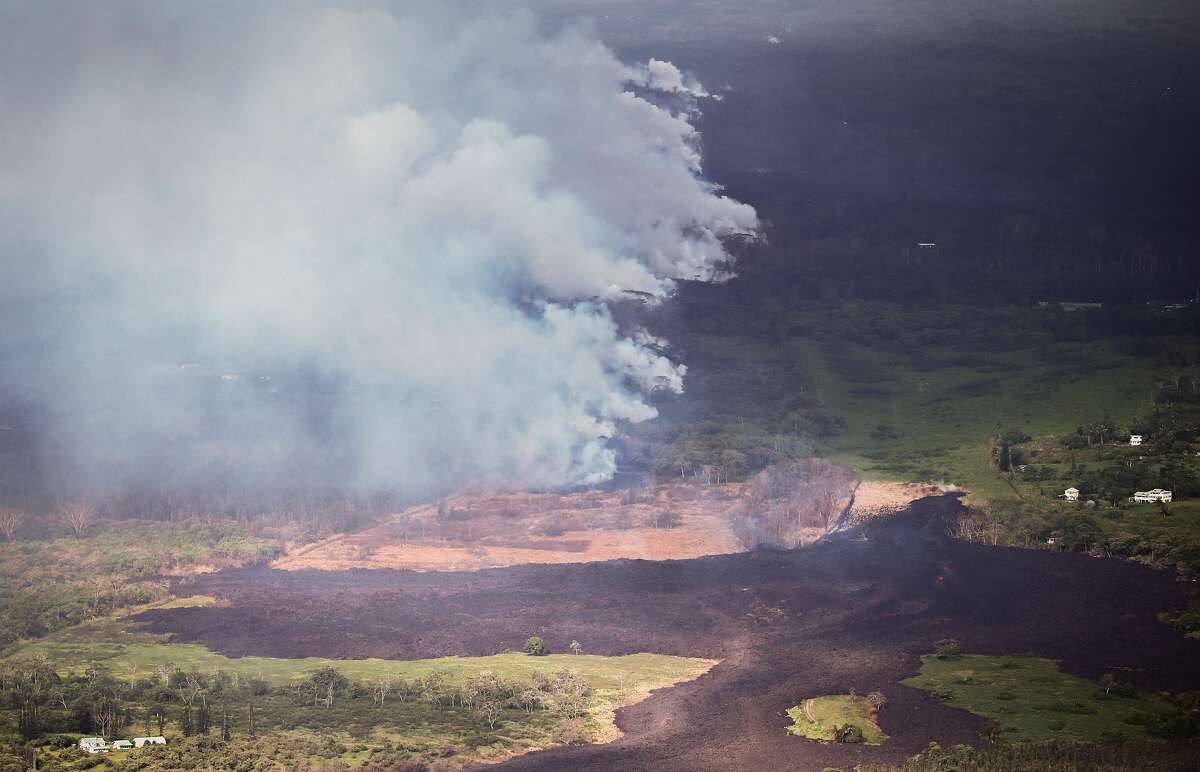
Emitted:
<point x="600" y="384"/>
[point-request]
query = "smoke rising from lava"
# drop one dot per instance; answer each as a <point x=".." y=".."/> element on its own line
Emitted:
<point x="368" y="243"/>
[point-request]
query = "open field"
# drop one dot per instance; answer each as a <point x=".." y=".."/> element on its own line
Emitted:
<point x="1031" y="701"/>
<point x="140" y="656"/>
<point x="818" y="717"/>
<point x="853" y="612"/>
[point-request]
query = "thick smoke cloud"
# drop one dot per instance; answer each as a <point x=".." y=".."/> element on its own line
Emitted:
<point x="362" y="243"/>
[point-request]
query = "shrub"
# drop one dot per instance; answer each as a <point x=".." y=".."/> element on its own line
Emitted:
<point x="535" y="646"/>
<point x="946" y="648"/>
<point x="848" y="733"/>
<point x="573" y="731"/>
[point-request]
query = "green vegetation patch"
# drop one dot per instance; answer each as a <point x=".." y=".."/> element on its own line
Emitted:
<point x="52" y="584"/>
<point x="134" y="655"/>
<point x="1030" y="700"/>
<point x="820" y="717"/>
<point x="292" y="712"/>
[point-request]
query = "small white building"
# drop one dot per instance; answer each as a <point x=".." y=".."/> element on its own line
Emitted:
<point x="138" y="742"/>
<point x="94" y="745"/>
<point x="1071" y="494"/>
<point x="122" y="745"/>
<point x="1135" y="440"/>
<point x="1151" y="496"/>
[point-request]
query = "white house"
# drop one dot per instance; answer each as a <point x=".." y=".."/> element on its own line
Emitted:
<point x="1135" y="440"/>
<point x="1071" y="494"/>
<point x="94" y="745"/>
<point x="122" y="745"/>
<point x="1152" y="495"/>
<point x="138" y="742"/>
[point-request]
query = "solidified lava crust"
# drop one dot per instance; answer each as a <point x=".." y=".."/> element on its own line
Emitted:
<point x="854" y="611"/>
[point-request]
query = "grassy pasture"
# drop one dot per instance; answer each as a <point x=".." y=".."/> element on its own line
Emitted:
<point x="831" y="711"/>
<point x="1030" y="700"/>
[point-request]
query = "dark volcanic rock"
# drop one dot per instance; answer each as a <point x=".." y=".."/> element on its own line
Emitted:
<point x="856" y="611"/>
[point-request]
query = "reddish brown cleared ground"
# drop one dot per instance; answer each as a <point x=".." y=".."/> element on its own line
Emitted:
<point x="476" y="529"/>
<point x="856" y="611"/>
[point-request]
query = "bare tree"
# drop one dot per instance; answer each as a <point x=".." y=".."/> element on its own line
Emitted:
<point x="790" y="504"/>
<point x="382" y="687"/>
<point x="10" y="521"/>
<point x="488" y="709"/>
<point x="78" y="515"/>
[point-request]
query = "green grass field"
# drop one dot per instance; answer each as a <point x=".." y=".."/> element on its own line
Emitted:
<point x="831" y="711"/>
<point x="1030" y="700"/>
<point x="115" y="644"/>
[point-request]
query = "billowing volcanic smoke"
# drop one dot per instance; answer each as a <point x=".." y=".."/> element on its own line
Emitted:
<point x="368" y="243"/>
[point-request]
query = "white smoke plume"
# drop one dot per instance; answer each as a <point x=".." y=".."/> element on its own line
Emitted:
<point x="370" y="242"/>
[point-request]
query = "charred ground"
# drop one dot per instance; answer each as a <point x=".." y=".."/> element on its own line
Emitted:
<point x="855" y="611"/>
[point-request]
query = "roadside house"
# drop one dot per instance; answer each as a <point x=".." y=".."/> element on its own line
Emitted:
<point x="1152" y="495"/>
<point x="1135" y="440"/>
<point x="121" y="745"/>
<point x="1071" y="494"/>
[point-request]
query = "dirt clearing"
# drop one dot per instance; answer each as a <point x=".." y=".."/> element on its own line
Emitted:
<point x="477" y="529"/>
<point x="472" y="530"/>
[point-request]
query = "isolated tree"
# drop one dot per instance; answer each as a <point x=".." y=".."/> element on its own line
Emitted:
<point x="535" y="646"/>
<point x="488" y="709"/>
<point x="78" y="515"/>
<point x="324" y="684"/>
<point x="10" y="521"/>
<point x="876" y="700"/>
<point x="576" y="647"/>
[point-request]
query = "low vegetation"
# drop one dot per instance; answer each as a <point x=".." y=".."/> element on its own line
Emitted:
<point x="49" y="584"/>
<point x="1127" y="756"/>
<point x="218" y="712"/>
<point x="839" y="718"/>
<point x="902" y="392"/>
<point x="1028" y="700"/>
